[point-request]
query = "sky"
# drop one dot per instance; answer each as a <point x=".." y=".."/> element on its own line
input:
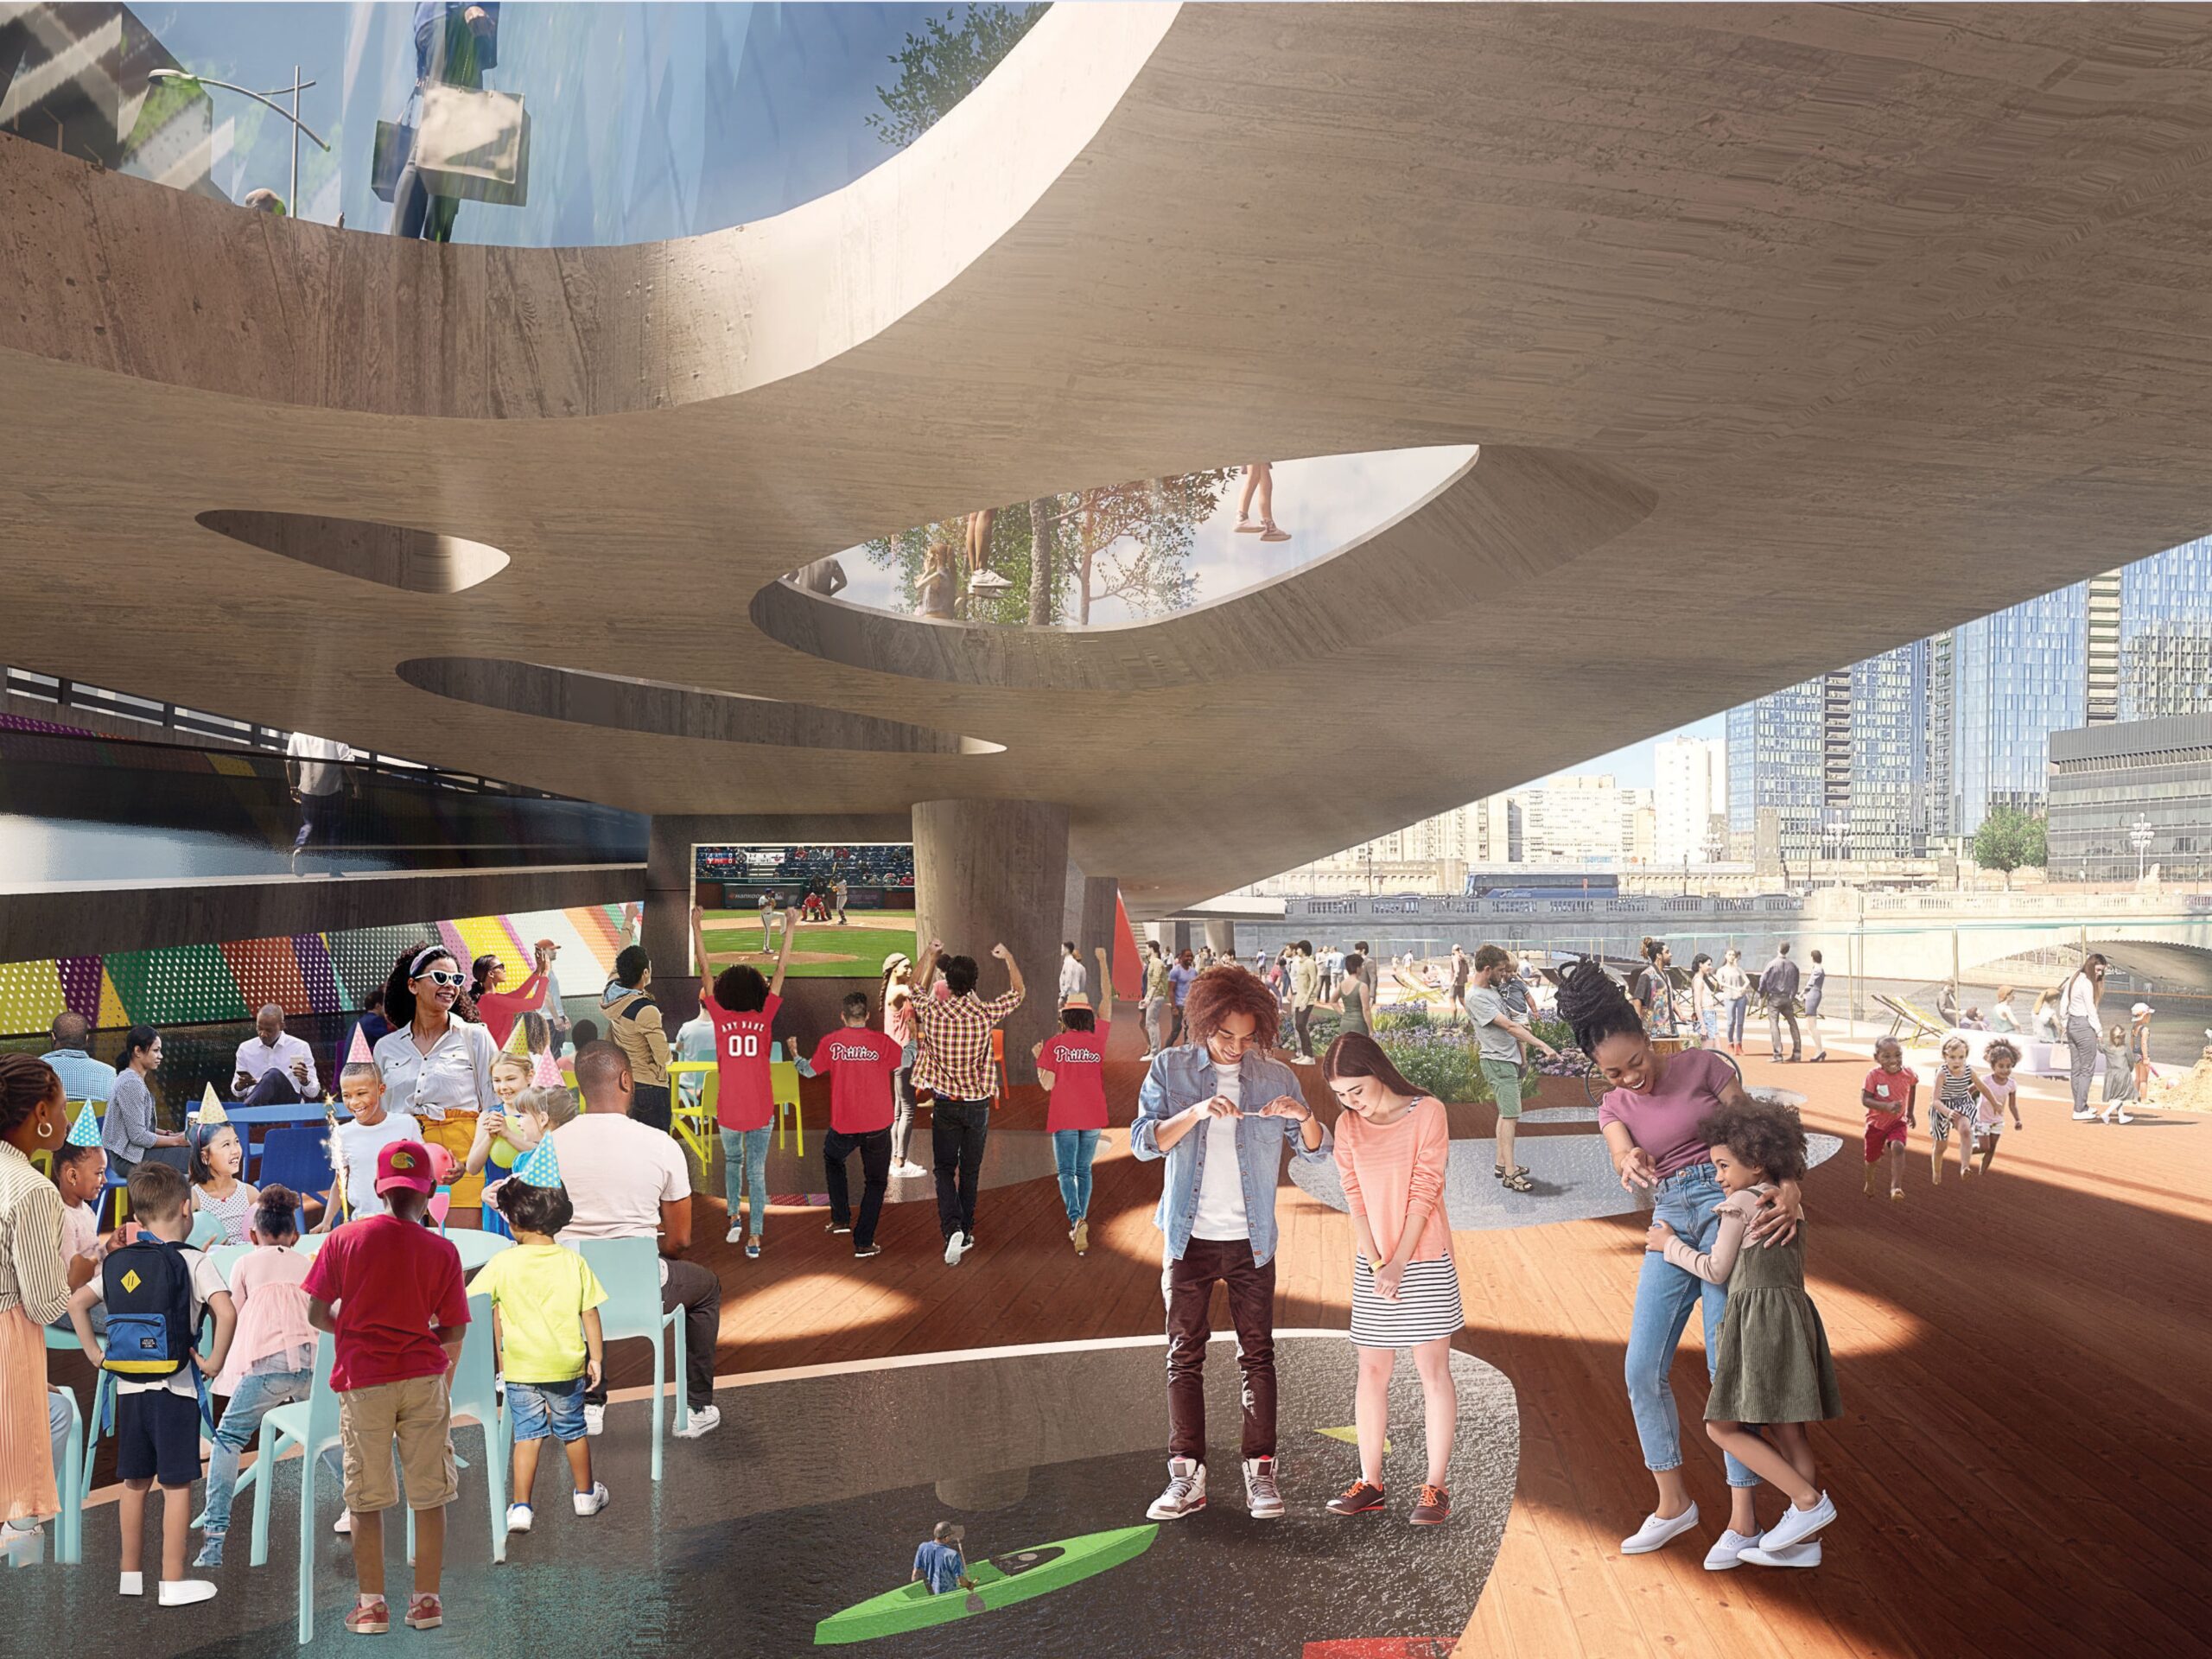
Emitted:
<point x="1632" y="766"/>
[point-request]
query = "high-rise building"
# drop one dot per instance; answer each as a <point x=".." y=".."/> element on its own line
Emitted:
<point x="2166" y="633"/>
<point x="1576" y="819"/>
<point x="1689" y="778"/>
<point x="1777" y="760"/>
<point x="2018" y="675"/>
<point x="1939" y="739"/>
<point x="2101" y="649"/>
<point x="1884" y="798"/>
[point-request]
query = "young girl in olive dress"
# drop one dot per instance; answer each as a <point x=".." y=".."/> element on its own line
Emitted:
<point x="1774" y="1366"/>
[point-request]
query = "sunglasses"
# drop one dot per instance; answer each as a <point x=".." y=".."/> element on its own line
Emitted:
<point x="440" y="977"/>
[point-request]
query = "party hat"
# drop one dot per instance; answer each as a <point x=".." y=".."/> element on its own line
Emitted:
<point x="86" y="1131"/>
<point x="359" y="1054"/>
<point x="211" y="1109"/>
<point x="518" y="1040"/>
<point x="545" y="1074"/>
<point x="541" y="1168"/>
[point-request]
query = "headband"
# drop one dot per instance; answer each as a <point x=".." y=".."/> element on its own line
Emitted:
<point x="429" y="953"/>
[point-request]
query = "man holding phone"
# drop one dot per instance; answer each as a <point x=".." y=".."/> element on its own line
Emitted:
<point x="1220" y="1111"/>
<point x="274" y="1068"/>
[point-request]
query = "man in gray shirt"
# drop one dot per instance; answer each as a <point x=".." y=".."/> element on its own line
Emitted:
<point x="1778" y="989"/>
<point x="1498" y="1039"/>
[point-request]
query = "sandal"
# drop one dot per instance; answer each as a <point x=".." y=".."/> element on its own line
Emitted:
<point x="1516" y="1180"/>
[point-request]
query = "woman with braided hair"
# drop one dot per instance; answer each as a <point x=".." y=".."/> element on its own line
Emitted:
<point x="33" y="1285"/>
<point x="1650" y="1119"/>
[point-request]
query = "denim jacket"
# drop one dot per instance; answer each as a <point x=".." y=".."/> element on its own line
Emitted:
<point x="1181" y="1078"/>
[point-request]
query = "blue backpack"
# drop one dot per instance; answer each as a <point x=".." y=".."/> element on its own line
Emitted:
<point x="147" y="1289"/>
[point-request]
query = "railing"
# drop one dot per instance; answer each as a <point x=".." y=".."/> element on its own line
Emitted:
<point x="66" y="693"/>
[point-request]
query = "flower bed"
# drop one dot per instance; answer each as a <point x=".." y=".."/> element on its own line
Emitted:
<point x="1437" y="1057"/>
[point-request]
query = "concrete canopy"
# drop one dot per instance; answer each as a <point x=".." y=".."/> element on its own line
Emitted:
<point x="1788" y="334"/>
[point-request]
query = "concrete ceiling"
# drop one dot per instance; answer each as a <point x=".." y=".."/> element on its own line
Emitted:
<point x="1789" y="333"/>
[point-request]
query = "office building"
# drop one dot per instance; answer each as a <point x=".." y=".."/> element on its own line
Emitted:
<point x="1689" y="789"/>
<point x="2108" y="781"/>
<point x="1778" y="761"/>
<point x="1576" y="819"/>
<point x="2164" y="655"/>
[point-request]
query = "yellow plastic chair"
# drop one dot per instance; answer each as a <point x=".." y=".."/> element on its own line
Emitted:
<point x="783" y="1089"/>
<point x="694" y="1121"/>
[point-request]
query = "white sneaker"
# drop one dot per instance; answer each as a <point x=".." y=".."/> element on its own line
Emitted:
<point x="954" y="1248"/>
<point x="593" y="1502"/>
<point x="130" y="1583"/>
<point x="1803" y="1555"/>
<point x="344" y="1524"/>
<point x="1796" y="1526"/>
<point x="25" y="1546"/>
<point x="594" y="1420"/>
<point x="1728" y="1549"/>
<point x="1262" y="1496"/>
<point x="705" y="1419"/>
<point x="737" y="1234"/>
<point x="2124" y="1116"/>
<point x="182" y="1592"/>
<point x="1656" y="1532"/>
<point x="908" y="1169"/>
<point x="2084" y="1114"/>
<point x="1186" y="1493"/>
<point x="518" y="1517"/>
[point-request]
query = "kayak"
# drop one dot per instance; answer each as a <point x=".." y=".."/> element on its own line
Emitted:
<point x="1001" y="1581"/>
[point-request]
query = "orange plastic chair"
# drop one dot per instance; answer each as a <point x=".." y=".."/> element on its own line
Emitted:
<point x="998" y="1063"/>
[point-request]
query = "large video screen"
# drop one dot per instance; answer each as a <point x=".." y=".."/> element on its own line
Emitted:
<point x="875" y="875"/>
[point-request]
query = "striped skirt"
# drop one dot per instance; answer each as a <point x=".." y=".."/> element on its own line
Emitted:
<point x="1427" y="1306"/>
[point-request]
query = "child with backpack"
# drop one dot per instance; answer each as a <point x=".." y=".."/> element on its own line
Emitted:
<point x="154" y="1290"/>
<point x="389" y="1288"/>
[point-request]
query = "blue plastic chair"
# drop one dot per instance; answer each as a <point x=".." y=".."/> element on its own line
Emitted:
<point x="629" y="1271"/>
<point x="299" y="1158"/>
<point x="476" y="1394"/>
<point x="312" y="1425"/>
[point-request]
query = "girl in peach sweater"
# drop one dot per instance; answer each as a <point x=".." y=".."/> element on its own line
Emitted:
<point x="1392" y="1147"/>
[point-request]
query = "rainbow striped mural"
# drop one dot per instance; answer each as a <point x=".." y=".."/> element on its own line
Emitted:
<point x="306" y="973"/>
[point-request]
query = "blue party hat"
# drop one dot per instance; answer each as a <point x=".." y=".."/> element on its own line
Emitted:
<point x="541" y="1168"/>
<point x="86" y="1131"/>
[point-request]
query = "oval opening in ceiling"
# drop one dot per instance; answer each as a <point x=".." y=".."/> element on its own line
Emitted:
<point x="616" y="702"/>
<point x="418" y="561"/>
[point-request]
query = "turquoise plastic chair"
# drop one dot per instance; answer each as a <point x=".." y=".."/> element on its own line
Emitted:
<point x="206" y="1231"/>
<point x="226" y="1258"/>
<point x="69" y="1525"/>
<point x="312" y="1425"/>
<point x="629" y="1271"/>
<point x="476" y="1394"/>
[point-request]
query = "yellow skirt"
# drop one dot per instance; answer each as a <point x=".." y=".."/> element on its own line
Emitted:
<point x="456" y="1134"/>
<point x="27" y="1487"/>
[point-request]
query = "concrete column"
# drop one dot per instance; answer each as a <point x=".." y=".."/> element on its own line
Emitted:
<point x="1095" y="926"/>
<point x="997" y="871"/>
<point x="1221" y="936"/>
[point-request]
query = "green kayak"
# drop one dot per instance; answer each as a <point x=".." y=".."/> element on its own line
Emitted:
<point x="1001" y="1581"/>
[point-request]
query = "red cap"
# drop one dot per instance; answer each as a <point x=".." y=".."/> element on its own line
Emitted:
<point x="405" y="1163"/>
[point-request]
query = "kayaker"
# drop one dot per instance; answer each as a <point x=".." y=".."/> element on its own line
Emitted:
<point x="940" y="1563"/>
<point x="1220" y="1111"/>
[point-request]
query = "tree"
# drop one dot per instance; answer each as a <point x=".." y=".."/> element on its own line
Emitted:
<point x="2010" y="839"/>
<point x="1042" y="583"/>
<point x="942" y="66"/>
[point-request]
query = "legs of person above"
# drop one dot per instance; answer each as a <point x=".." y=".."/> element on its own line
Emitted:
<point x="699" y="1294"/>
<point x="258" y="1394"/>
<point x="1664" y="1297"/>
<point x="958" y="1129"/>
<point x="875" y="1181"/>
<point x="1186" y="1287"/>
<point x="1439" y="1404"/>
<point x="1370" y="1410"/>
<point x="1072" y="1152"/>
<point x="274" y="1089"/>
<point x="733" y="1180"/>
<point x="835" y="1149"/>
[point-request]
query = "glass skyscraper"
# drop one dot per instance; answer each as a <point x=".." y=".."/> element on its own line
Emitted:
<point x="1778" y="758"/>
<point x="2018" y="675"/>
<point x="2166" y="633"/>
<point x="1887" y="791"/>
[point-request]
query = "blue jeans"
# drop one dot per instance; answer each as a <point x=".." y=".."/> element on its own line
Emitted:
<point x="1072" y="1151"/>
<point x="1737" y="1010"/>
<point x="547" y="1411"/>
<point x="1685" y="1201"/>
<point x="745" y="1163"/>
<point x="259" y="1393"/>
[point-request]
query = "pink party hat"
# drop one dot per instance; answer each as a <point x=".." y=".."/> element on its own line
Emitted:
<point x="545" y="1074"/>
<point x="359" y="1054"/>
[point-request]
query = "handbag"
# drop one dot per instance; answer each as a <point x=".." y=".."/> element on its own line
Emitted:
<point x="463" y="143"/>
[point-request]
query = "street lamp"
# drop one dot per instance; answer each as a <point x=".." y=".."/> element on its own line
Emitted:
<point x="2139" y="837"/>
<point x="292" y="115"/>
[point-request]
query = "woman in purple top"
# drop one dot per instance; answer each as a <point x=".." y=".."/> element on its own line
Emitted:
<point x="1650" y="1119"/>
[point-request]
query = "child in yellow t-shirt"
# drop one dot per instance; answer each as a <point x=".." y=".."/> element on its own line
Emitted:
<point x="545" y="1316"/>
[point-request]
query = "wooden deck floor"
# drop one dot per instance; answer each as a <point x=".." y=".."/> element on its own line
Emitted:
<point x="2024" y="1465"/>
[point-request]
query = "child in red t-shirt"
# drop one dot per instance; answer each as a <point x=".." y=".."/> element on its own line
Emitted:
<point x="1887" y="1096"/>
<point x="742" y="1004"/>
<point x="1072" y="1068"/>
<point x="390" y="1291"/>
<point x="860" y="1063"/>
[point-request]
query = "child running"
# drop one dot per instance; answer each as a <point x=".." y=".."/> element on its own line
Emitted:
<point x="1392" y="1147"/>
<point x="545" y="1317"/>
<point x="860" y="1062"/>
<point x="1997" y="1094"/>
<point x="1071" y="1067"/>
<point x="1953" y="1108"/>
<point x="217" y="1159"/>
<point x="272" y="1356"/>
<point x="154" y="1290"/>
<point x="1887" y="1096"/>
<point x="1774" y="1369"/>
<point x="389" y="1288"/>
<point x="743" y="1005"/>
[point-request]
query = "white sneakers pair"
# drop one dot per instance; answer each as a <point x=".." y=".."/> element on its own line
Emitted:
<point x="519" y="1516"/>
<point x="1791" y="1541"/>
<point x="172" y="1592"/>
<point x="1186" y="1493"/>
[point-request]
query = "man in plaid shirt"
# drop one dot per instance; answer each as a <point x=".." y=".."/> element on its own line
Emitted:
<point x="954" y="1037"/>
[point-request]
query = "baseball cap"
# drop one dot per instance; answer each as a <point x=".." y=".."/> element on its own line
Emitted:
<point x="2142" y="1008"/>
<point x="405" y="1163"/>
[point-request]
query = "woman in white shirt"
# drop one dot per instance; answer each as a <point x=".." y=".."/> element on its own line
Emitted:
<point x="1735" y="990"/>
<point x="436" y="1066"/>
<point x="2077" y="1000"/>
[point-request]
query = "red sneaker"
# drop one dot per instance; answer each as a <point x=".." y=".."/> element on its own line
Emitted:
<point x="1434" y="1508"/>
<point x="424" y="1613"/>
<point x="372" y="1620"/>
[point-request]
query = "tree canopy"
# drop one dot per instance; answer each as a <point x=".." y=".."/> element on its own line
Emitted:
<point x="2010" y="839"/>
<point x="943" y="64"/>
